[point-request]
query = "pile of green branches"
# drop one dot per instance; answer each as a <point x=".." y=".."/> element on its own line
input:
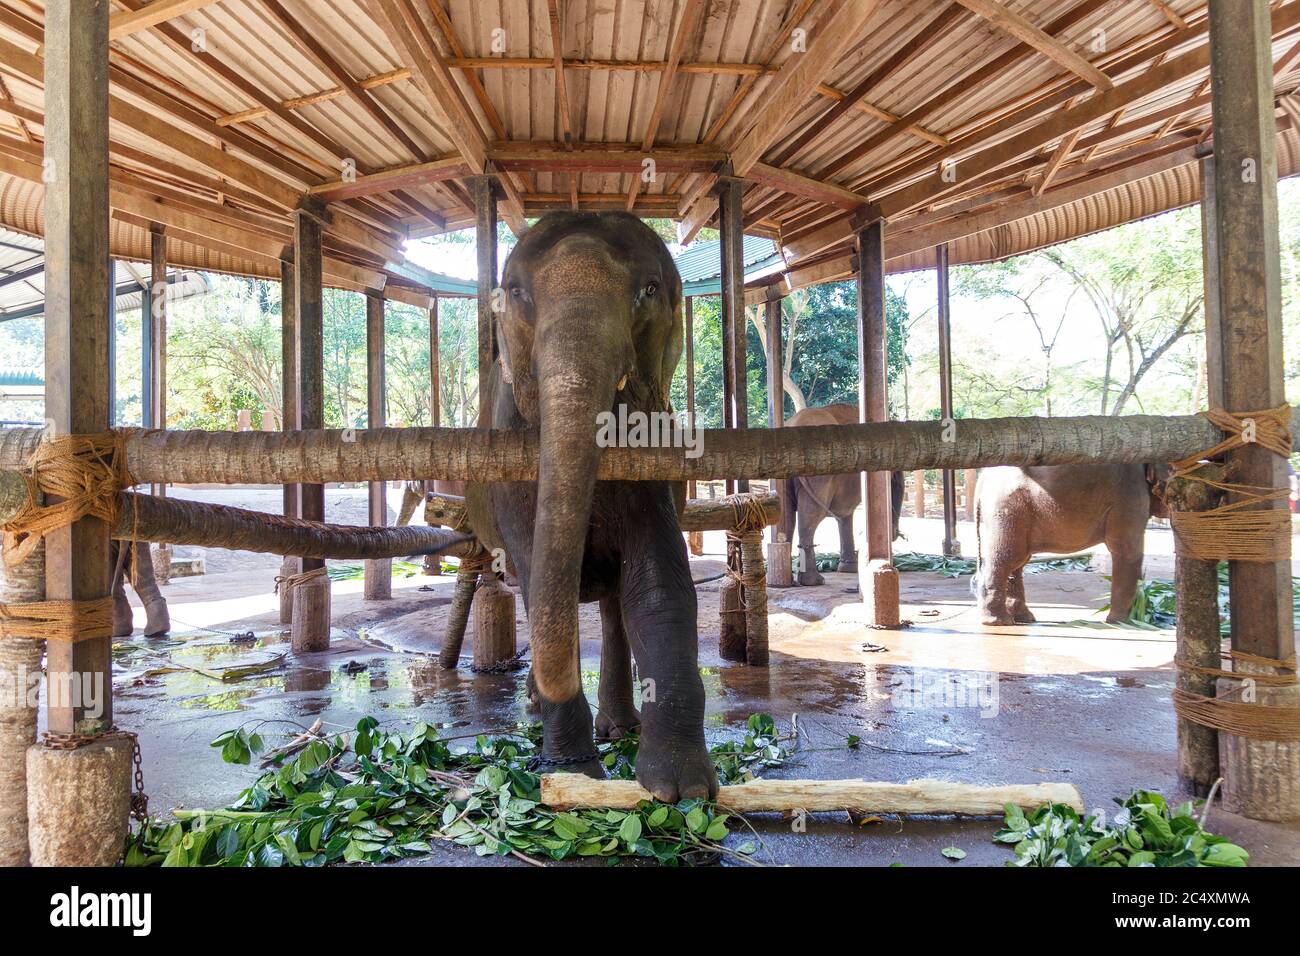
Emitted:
<point x="376" y="795"/>
<point x="956" y="567"/>
<point x="1143" y="832"/>
<point x="1154" y="603"/>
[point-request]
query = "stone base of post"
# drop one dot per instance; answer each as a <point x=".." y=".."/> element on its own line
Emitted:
<point x="79" y="803"/>
<point x="288" y="568"/>
<point x="779" y="573"/>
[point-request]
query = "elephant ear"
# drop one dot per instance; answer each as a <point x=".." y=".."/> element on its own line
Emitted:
<point x="674" y="346"/>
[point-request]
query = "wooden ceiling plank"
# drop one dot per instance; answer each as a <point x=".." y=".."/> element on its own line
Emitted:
<point x="1169" y="13"/>
<point x="343" y="78"/>
<point x="128" y="22"/>
<point x="921" y="41"/>
<point x="1026" y="32"/>
<point x="685" y="30"/>
<point x="386" y="180"/>
<point x="448" y="32"/>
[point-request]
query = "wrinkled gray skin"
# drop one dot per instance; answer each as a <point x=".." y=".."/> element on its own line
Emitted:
<point x="811" y="499"/>
<point x="1060" y="509"/>
<point x="134" y="564"/>
<point x="593" y="320"/>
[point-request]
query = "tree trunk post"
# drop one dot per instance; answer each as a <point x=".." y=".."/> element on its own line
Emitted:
<point x="968" y="489"/>
<point x="494" y="623"/>
<point x="433" y="563"/>
<point x="754" y="596"/>
<point x="482" y="190"/>
<point x="20" y="669"/>
<point x="156" y="388"/>
<point x="1196" y="596"/>
<point x="951" y="546"/>
<point x="918" y="493"/>
<point x="694" y="539"/>
<point x="310" y="633"/>
<point x="378" y="573"/>
<point x="877" y="578"/>
<point x="1261" y="777"/>
<point x="65" y="825"/>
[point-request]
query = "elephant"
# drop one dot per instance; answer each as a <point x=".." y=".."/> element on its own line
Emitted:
<point x="812" y="499"/>
<point x="413" y="493"/>
<point x="590" y="320"/>
<point x="133" y="562"/>
<point x="1060" y="509"/>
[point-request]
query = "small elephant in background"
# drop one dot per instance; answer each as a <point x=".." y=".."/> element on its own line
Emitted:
<point x="812" y="499"/>
<point x="1060" y="509"/>
<point x="133" y="562"/>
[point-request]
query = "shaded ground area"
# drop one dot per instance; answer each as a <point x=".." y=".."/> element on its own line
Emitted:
<point x="944" y="698"/>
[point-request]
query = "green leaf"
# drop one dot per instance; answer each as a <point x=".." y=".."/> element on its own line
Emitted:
<point x="954" y="853"/>
<point x="630" y="830"/>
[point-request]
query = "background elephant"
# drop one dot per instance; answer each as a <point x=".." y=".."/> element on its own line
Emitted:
<point x="132" y="561"/>
<point x="812" y="499"/>
<point x="1060" y="509"/>
<point x="592" y="321"/>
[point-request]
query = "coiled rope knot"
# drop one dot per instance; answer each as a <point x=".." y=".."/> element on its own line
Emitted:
<point x="84" y="472"/>
<point x="1243" y="529"/>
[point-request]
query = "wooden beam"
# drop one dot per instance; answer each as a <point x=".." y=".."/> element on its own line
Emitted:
<point x="541" y="156"/>
<point x="387" y="180"/>
<point x="557" y="58"/>
<point x="1169" y="13"/>
<point x="799" y="185"/>
<point x="798" y="78"/>
<point x="454" y="46"/>
<point x="1059" y="155"/>
<point x="128" y="22"/>
<point x="1026" y="32"/>
<point x="77" y="375"/>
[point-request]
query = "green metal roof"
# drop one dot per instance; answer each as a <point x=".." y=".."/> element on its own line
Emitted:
<point x="700" y="264"/>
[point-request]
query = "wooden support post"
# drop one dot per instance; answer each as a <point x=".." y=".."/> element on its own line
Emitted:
<point x="918" y="493"/>
<point x="378" y="583"/>
<point x="968" y="485"/>
<point x="432" y="562"/>
<point x="877" y="578"/>
<point x="112" y="343"/>
<point x="754" y="596"/>
<point x="694" y="539"/>
<point x="155" y="385"/>
<point x="77" y="370"/>
<point x="779" y="573"/>
<point x="77" y="800"/>
<point x="482" y="191"/>
<point x="289" y="421"/>
<point x="1210" y="272"/>
<point x="951" y="546"/>
<point x="731" y="230"/>
<point x="1261" y="778"/>
<point x="311" y="633"/>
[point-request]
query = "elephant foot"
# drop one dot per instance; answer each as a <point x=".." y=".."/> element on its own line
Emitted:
<point x="588" y="767"/>
<point x="673" y="774"/>
<point x="617" y="721"/>
<point x="123" y="622"/>
<point x="811" y="579"/>
<point x="157" y="620"/>
<point x="1024" y="616"/>
<point x="998" y="620"/>
<point x="849" y="567"/>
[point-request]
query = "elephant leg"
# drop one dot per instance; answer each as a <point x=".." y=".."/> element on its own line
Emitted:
<point x="412" y="495"/>
<point x="811" y="515"/>
<point x="567" y="743"/>
<point x="123" y="619"/>
<point x="616" y="715"/>
<point x="1125" y="571"/>
<point x="157" y="619"/>
<point x="993" y="589"/>
<point x="659" y="612"/>
<point x="848" y="547"/>
<point x="1019" y="607"/>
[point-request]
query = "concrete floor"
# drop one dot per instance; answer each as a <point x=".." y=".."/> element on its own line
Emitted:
<point x="943" y="698"/>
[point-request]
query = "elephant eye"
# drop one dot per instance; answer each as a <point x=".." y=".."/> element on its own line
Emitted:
<point x="651" y="288"/>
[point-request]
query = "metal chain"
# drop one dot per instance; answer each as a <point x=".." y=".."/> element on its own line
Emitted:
<point x="507" y="666"/>
<point x="544" y="761"/>
<point x="139" y="798"/>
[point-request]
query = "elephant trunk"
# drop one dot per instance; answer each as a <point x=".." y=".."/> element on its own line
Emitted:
<point x="577" y="374"/>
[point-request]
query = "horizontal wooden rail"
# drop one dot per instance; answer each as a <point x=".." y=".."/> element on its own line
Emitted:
<point x="701" y="514"/>
<point x="390" y="454"/>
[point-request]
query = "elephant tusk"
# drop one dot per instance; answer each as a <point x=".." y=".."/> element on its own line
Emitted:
<point x="622" y="382"/>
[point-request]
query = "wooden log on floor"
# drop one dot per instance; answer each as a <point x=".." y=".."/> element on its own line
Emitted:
<point x="565" y="791"/>
<point x="310" y="629"/>
<point x="469" y="454"/>
<point x="780" y="572"/>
